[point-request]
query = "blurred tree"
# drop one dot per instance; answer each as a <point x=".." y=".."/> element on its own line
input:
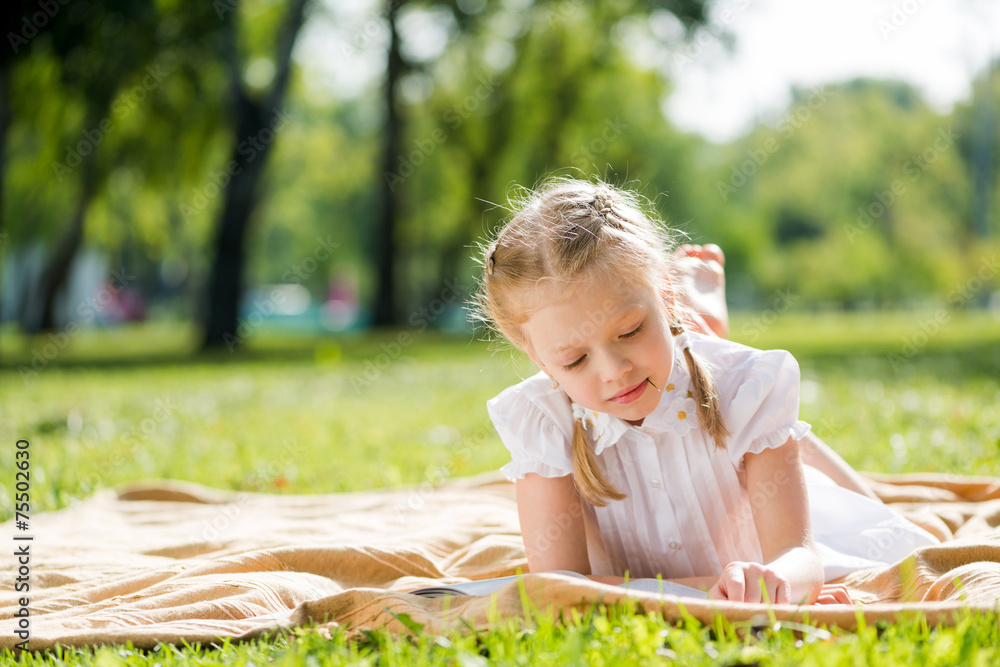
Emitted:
<point x="853" y="194"/>
<point x="8" y="24"/>
<point x="131" y="76"/>
<point x="979" y="142"/>
<point x="319" y="193"/>
<point x="101" y="147"/>
<point x="599" y="116"/>
<point x="548" y="71"/>
<point x="77" y="36"/>
<point x="495" y="96"/>
<point x="385" y="256"/>
<point x="257" y="118"/>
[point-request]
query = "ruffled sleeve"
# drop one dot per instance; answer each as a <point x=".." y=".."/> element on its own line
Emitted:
<point x="764" y="407"/>
<point x="535" y="424"/>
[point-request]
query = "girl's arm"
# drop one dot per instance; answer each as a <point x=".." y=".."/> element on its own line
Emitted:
<point x="553" y="530"/>
<point x="554" y="534"/>
<point x="792" y="571"/>
<point x="552" y="524"/>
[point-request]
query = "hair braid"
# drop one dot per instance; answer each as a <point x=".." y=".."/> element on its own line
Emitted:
<point x="590" y="481"/>
<point x="706" y="395"/>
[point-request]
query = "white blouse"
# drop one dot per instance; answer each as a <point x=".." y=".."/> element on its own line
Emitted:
<point x="688" y="511"/>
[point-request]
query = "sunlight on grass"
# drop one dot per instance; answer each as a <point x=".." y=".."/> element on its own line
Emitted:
<point x="618" y="635"/>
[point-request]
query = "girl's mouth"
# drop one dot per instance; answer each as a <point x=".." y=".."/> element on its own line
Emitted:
<point x="630" y="394"/>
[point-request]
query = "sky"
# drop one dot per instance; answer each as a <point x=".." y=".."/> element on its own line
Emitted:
<point x="937" y="45"/>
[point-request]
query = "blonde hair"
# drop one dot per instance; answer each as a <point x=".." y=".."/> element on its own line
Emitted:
<point x="565" y="231"/>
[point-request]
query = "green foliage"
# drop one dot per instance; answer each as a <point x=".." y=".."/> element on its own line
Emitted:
<point x="35" y="202"/>
<point x="323" y="172"/>
<point x="514" y="95"/>
<point x="143" y="79"/>
<point x="569" y="100"/>
<point x="860" y="195"/>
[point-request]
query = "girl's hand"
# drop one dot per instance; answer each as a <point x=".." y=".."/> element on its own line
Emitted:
<point x="834" y="594"/>
<point x="741" y="582"/>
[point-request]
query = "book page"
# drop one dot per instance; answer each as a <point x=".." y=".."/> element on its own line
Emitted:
<point x="664" y="587"/>
<point x="481" y="587"/>
<point x="487" y="586"/>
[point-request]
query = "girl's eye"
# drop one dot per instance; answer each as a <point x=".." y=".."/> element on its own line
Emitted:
<point x="633" y="333"/>
<point x="575" y="364"/>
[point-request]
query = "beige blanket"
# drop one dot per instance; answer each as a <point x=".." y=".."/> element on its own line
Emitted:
<point x="167" y="561"/>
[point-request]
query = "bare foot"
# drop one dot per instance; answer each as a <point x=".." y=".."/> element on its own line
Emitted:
<point x="707" y="252"/>
<point x="702" y="280"/>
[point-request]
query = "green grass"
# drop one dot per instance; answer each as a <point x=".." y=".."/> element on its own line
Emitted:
<point x="300" y="415"/>
<point x="888" y="405"/>
<point x="606" y="636"/>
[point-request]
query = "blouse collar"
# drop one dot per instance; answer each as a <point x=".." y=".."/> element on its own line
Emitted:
<point x="675" y="413"/>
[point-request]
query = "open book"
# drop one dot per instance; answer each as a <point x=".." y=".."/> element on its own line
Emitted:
<point x="487" y="586"/>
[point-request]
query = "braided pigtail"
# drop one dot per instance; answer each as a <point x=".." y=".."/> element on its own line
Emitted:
<point x="590" y="481"/>
<point x="706" y="395"/>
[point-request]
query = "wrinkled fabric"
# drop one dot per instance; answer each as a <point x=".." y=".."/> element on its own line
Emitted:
<point x="167" y="561"/>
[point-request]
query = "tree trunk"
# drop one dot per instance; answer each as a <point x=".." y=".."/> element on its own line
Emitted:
<point x="38" y="313"/>
<point x="226" y="286"/>
<point x="257" y="126"/>
<point x="385" y="232"/>
<point x="5" y="66"/>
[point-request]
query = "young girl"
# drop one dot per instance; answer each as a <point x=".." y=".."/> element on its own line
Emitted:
<point x="644" y="449"/>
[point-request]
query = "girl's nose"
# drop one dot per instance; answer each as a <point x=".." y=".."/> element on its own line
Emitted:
<point x="614" y="366"/>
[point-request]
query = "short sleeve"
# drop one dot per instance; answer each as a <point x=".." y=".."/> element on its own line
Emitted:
<point x="536" y="427"/>
<point x="764" y="409"/>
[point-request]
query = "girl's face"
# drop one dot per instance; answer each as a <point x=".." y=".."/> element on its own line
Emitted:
<point x="603" y="343"/>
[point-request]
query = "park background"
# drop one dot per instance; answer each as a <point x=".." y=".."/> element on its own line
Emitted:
<point x="236" y="237"/>
<point x="331" y="166"/>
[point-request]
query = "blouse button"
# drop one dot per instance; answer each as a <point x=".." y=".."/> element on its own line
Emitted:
<point x="674" y="545"/>
<point x="655" y="483"/>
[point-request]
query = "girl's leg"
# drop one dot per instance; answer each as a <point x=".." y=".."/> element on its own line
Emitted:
<point x="819" y="455"/>
<point x="699" y="271"/>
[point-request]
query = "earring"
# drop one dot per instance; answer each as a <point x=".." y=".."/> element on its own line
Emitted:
<point x="555" y="385"/>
